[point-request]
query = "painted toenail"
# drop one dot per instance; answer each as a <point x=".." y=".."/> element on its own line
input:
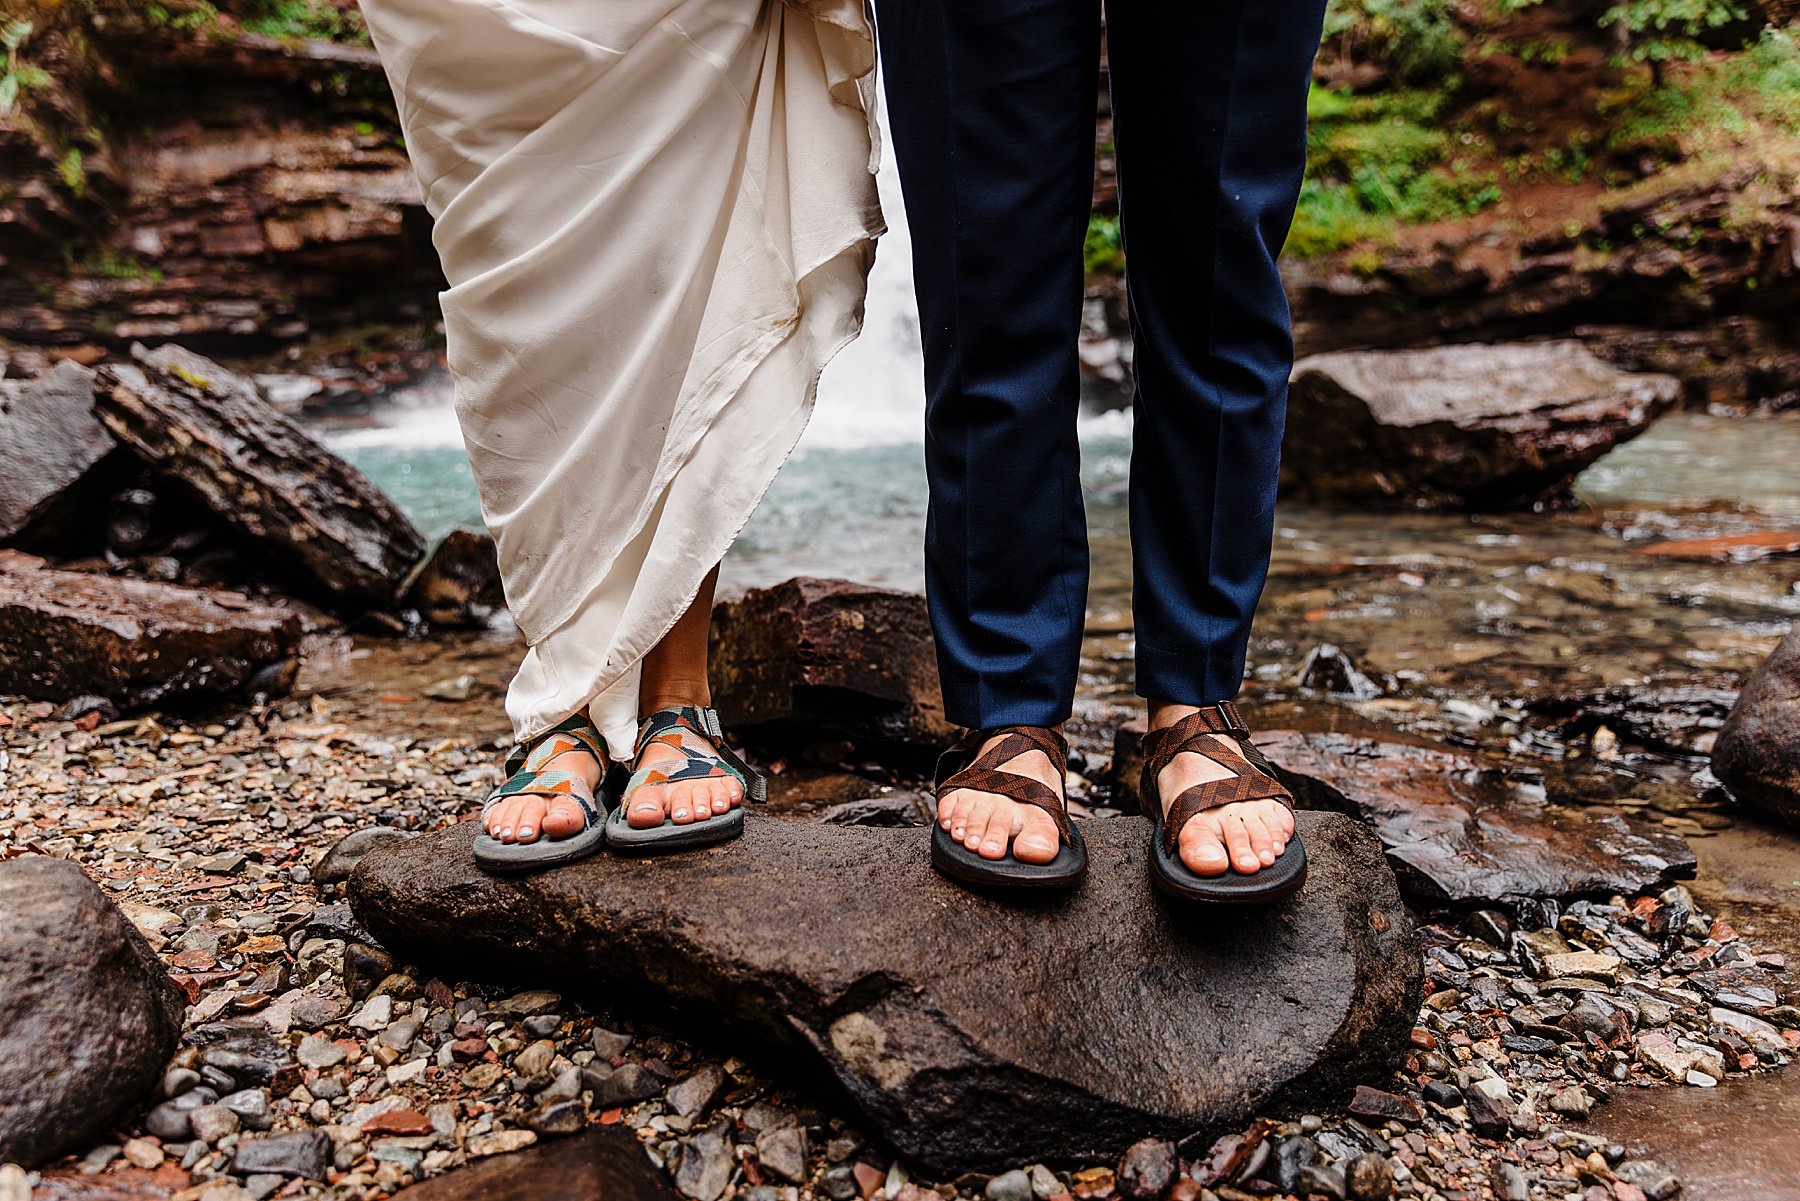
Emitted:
<point x="680" y="813"/>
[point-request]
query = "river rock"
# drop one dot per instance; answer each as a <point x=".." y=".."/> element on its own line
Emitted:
<point x="459" y="586"/>
<point x="899" y="995"/>
<point x="135" y="642"/>
<point x="1758" y="751"/>
<point x="89" y="1016"/>
<point x="605" y="1164"/>
<point x="256" y="468"/>
<point x="817" y="660"/>
<point x="1464" y="830"/>
<point x="52" y="440"/>
<point x="1473" y="426"/>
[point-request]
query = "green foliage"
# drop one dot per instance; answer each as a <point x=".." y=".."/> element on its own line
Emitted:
<point x="72" y="173"/>
<point x="185" y="18"/>
<point x="1104" y="248"/>
<point x="109" y="264"/>
<point x="1416" y="40"/>
<point x="1667" y="30"/>
<point x="1377" y="162"/>
<point x="314" y="19"/>
<point x="12" y="78"/>
<point x="1720" y="99"/>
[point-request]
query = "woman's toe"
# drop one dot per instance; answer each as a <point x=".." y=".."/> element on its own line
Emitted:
<point x="565" y="819"/>
<point x="1202" y="850"/>
<point x="645" y="811"/>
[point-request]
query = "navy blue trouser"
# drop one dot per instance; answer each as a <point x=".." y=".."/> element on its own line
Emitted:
<point x="992" y="105"/>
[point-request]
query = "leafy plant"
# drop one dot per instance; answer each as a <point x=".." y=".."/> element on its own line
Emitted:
<point x="1415" y="39"/>
<point x="1104" y="247"/>
<point x="12" y="36"/>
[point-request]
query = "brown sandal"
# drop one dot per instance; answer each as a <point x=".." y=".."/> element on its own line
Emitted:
<point x="964" y="766"/>
<point x="1252" y="779"/>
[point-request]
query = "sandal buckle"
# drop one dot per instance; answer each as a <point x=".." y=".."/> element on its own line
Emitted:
<point x="1234" y="722"/>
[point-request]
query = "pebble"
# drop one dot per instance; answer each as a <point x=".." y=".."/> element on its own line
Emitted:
<point x="210" y="1123"/>
<point x="1145" y="1171"/>
<point x="623" y="1085"/>
<point x="1370" y="1177"/>
<point x="377" y="1012"/>
<point x="1010" y="1186"/>
<point x="782" y="1151"/>
<point x="535" y="1059"/>
<point x="303" y="1153"/>
<point x="705" y="1166"/>
<point x="1657" y="1182"/>
<point x="559" y="1117"/>
<point x="500" y="1142"/>
<point x="694" y="1094"/>
<point x="142" y="1153"/>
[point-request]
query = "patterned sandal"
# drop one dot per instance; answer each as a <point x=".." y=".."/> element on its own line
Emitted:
<point x="697" y="735"/>
<point x="526" y="775"/>
<point x="1252" y="779"/>
<point x="964" y="766"/>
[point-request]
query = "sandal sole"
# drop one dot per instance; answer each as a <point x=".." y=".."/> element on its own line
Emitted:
<point x="1280" y="879"/>
<point x="959" y="863"/>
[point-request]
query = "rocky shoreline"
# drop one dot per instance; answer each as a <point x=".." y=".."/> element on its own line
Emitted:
<point x="315" y="1064"/>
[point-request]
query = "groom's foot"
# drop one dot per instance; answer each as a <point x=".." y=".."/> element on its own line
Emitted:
<point x="1248" y="835"/>
<point x="988" y="824"/>
<point x="529" y="816"/>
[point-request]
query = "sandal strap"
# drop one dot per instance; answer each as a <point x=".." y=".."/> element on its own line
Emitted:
<point x="966" y="765"/>
<point x="674" y="727"/>
<point x="550" y="784"/>
<point x="1252" y="775"/>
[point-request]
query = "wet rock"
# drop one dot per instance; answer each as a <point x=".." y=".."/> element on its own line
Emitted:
<point x="134" y="642"/>
<point x="334" y="866"/>
<point x="1758" y="751"/>
<point x="1464" y="830"/>
<point x="260" y="472"/>
<point x="1459" y="426"/>
<point x="1373" y="1103"/>
<point x="603" y="1164"/>
<point x="53" y="441"/>
<point x="1669" y="719"/>
<point x="459" y="586"/>
<point x="89" y="1017"/>
<point x="909" y="1015"/>
<point x="813" y="660"/>
<point x="1325" y="1181"/>
<point x="558" y="1118"/>
<point x="303" y="1153"/>
<point x="1328" y="669"/>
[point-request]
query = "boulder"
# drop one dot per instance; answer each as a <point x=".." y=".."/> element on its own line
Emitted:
<point x="1758" y="751"/>
<point x="459" y="586"/>
<point x="814" y="660"/>
<point x="1464" y="830"/>
<point x="605" y="1164"/>
<point x="1459" y="426"/>
<point x="972" y="1031"/>
<point x="73" y="633"/>
<point x="261" y="473"/>
<point x="89" y="1018"/>
<point x="53" y="440"/>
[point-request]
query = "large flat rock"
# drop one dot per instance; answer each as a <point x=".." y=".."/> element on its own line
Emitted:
<point x="136" y="642"/>
<point x="972" y="1031"/>
<point x="1459" y="426"/>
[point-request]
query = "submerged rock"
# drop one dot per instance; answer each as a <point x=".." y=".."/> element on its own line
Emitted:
<point x="1758" y="751"/>
<point x="828" y="659"/>
<point x="1459" y="426"/>
<point x="260" y="472"/>
<point x="70" y="633"/>
<point x="1148" y="1024"/>
<point x="1463" y="830"/>
<point x="89" y="1017"/>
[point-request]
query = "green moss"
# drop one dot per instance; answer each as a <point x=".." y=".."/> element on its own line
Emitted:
<point x="1375" y="163"/>
<point x="312" y="19"/>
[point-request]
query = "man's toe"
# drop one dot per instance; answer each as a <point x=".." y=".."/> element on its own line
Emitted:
<point x="1237" y="844"/>
<point x="998" y="832"/>
<point x="1038" y="841"/>
<point x="1201" y="848"/>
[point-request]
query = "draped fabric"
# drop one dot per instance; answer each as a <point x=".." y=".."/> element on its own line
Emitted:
<point x="656" y="218"/>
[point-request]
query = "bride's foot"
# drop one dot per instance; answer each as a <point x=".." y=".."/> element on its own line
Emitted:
<point x="678" y="775"/>
<point x="538" y="799"/>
